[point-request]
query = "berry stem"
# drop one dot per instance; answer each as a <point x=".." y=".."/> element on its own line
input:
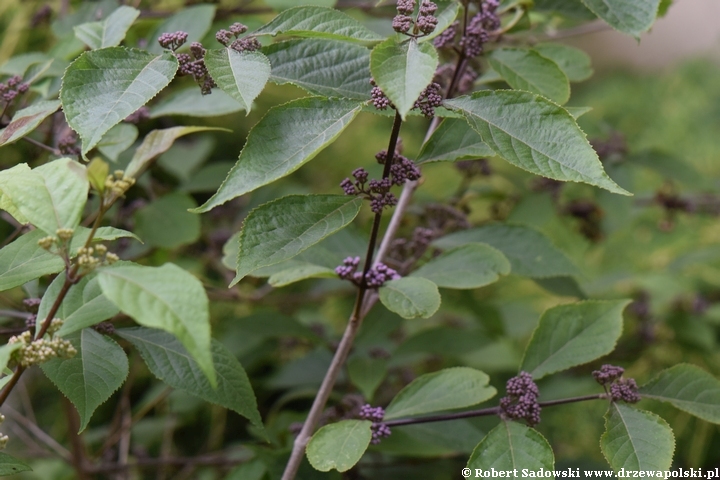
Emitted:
<point x="484" y="412"/>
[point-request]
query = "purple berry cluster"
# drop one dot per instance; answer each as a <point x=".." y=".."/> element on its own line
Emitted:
<point x="521" y="400"/>
<point x="379" y="99"/>
<point x="402" y="168"/>
<point x="13" y="87"/>
<point x="193" y="64"/>
<point x="447" y="37"/>
<point x="608" y="374"/>
<point x="423" y="24"/>
<point x="377" y="191"/>
<point x="620" y="388"/>
<point x="375" y="278"/>
<point x="480" y="27"/>
<point x="429" y="99"/>
<point x="379" y="429"/>
<point x="231" y="38"/>
<point x="173" y="40"/>
<point x="67" y="144"/>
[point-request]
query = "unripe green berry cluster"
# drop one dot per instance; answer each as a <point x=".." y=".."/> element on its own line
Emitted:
<point x="35" y="352"/>
<point x="118" y="183"/>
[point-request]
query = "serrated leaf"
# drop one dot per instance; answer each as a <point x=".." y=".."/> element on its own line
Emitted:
<point x="196" y="20"/>
<point x="84" y="305"/>
<point x="636" y="440"/>
<point x="534" y="134"/>
<point x="298" y="272"/>
<point x="448" y="389"/>
<point x="573" y="334"/>
<point x="24" y="260"/>
<point x="453" y="140"/>
<point x="531" y="253"/>
<point x="155" y="143"/>
<point x="289" y="136"/>
<point x="411" y="297"/>
<point x="279" y="230"/>
<point x="192" y="103"/>
<point x="10" y="465"/>
<point x="632" y="18"/>
<point x="167" y="223"/>
<point x="319" y="22"/>
<point x="402" y="69"/>
<point x="50" y="197"/>
<point x="168" y="298"/>
<point x="512" y="445"/>
<point x="526" y="69"/>
<point x="26" y="120"/>
<point x="469" y="266"/>
<point x="118" y="139"/>
<point x="242" y="75"/>
<point x="90" y="377"/>
<point x="339" y="445"/>
<point x="102" y="87"/>
<point x="688" y="388"/>
<point x="576" y="64"/>
<point x="109" y="32"/>
<point x="169" y="361"/>
<point x="322" y="67"/>
<point x="367" y="374"/>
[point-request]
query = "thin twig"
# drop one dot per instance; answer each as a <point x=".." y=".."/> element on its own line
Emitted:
<point x="79" y="454"/>
<point x="52" y="150"/>
<point x="38" y="433"/>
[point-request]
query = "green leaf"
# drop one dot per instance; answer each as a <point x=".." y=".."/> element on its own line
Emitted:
<point x="636" y="440"/>
<point x="367" y="374"/>
<point x="279" y="230"/>
<point x="6" y="351"/>
<point x="24" y="260"/>
<point x="526" y="69"/>
<point x="469" y="266"/>
<point x="109" y="32"/>
<point x="573" y="334"/>
<point x="50" y="197"/>
<point x="688" y="388"/>
<point x="195" y="20"/>
<point x="289" y="136"/>
<point x="300" y="271"/>
<point x="102" y="87"/>
<point x="84" y="305"/>
<point x="632" y="18"/>
<point x="10" y="465"/>
<point x="534" y="134"/>
<point x="402" y="69"/>
<point x="117" y="140"/>
<point x="26" y="120"/>
<point x="319" y="22"/>
<point x="531" y="253"/>
<point x="411" y="297"/>
<point x="576" y="64"/>
<point x="339" y="445"/>
<point x="241" y="75"/>
<point x="512" y="445"/>
<point x="90" y="377"/>
<point x="192" y="103"/>
<point x="453" y="140"/>
<point x="168" y="298"/>
<point x="166" y="222"/>
<point x="448" y="389"/>
<point x="155" y="143"/>
<point x="169" y="361"/>
<point x="322" y="67"/>
<point x="285" y="4"/>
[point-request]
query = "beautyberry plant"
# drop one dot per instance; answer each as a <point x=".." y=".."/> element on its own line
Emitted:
<point x="371" y="317"/>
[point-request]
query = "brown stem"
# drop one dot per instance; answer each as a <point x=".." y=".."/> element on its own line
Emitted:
<point x="52" y="150"/>
<point x="485" y="411"/>
<point x="351" y="330"/>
